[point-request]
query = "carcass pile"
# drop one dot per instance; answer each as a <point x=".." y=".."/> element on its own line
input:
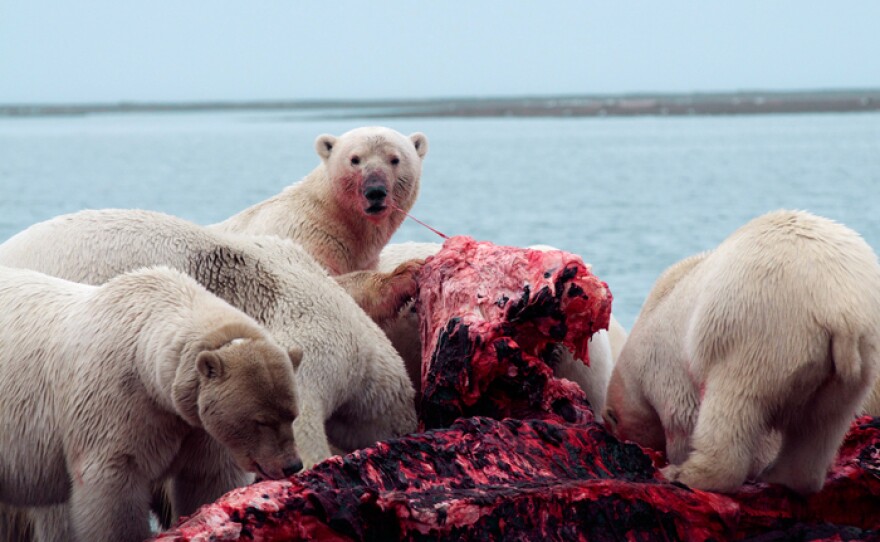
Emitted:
<point x="512" y="453"/>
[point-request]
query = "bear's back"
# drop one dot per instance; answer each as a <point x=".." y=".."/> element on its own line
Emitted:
<point x="35" y="313"/>
<point x="785" y="278"/>
<point x="793" y="261"/>
<point x="95" y="245"/>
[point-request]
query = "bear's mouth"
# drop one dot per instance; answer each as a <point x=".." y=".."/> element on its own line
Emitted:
<point x="265" y="475"/>
<point x="261" y="474"/>
<point x="376" y="209"/>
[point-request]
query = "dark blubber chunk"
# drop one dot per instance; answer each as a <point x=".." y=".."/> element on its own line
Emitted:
<point x="484" y="479"/>
<point x="478" y="479"/>
<point x="514" y="453"/>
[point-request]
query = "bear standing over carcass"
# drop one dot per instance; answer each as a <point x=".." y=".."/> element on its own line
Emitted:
<point x="776" y="329"/>
<point x="126" y="384"/>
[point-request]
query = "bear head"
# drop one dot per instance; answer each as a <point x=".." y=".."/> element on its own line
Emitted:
<point x="373" y="169"/>
<point x="628" y="415"/>
<point x="247" y="401"/>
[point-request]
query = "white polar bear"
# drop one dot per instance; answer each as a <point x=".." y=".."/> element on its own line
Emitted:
<point x="353" y="387"/>
<point x="348" y="207"/>
<point x="777" y="329"/>
<point x="404" y="334"/>
<point x="108" y="390"/>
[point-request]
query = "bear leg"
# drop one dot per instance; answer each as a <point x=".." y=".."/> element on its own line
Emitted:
<point x="205" y="471"/>
<point x="51" y="523"/>
<point x="730" y="426"/>
<point x="812" y="436"/>
<point x="308" y="429"/>
<point x="384" y="408"/>
<point x="382" y="295"/>
<point x="112" y="506"/>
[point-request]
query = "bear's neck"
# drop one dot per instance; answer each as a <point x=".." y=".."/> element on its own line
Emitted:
<point x="344" y="239"/>
<point x="158" y="327"/>
<point x="309" y="213"/>
<point x="168" y="353"/>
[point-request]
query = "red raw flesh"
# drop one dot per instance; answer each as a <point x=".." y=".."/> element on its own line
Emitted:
<point x="487" y="314"/>
<point x="551" y="474"/>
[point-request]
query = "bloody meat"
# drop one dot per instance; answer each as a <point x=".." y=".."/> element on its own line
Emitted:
<point x="513" y="453"/>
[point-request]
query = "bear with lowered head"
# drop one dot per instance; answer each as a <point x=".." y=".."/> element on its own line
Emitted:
<point x="109" y="390"/>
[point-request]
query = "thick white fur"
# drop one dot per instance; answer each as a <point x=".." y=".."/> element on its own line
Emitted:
<point x="102" y="388"/>
<point x="353" y="387"/>
<point x="872" y="403"/>
<point x="325" y="211"/>
<point x="778" y="329"/>
<point x="404" y="335"/>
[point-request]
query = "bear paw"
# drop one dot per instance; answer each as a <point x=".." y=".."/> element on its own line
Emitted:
<point x="713" y="478"/>
<point x="383" y="295"/>
<point x="671" y="472"/>
<point x="402" y="283"/>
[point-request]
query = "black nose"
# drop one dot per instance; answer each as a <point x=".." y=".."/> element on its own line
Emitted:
<point x="293" y="468"/>
<point x="375" y="193"/>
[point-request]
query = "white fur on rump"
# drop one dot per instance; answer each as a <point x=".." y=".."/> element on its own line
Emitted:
<point x="404" y="335"/>
<point x="352" y="384"/>
<point x="777" y="329"/>
<point x="104" y="386"/>
<point x="327" y="211"/>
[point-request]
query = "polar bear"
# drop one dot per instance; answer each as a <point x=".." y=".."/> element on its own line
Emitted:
<point x="108" y="389"/>
<point x="352" y="384"/>
<point x="348" y="207"/>
<point x="777" y="329"/>
<point x="404" y="334"/>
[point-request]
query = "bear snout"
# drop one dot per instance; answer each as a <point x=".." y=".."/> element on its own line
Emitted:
<point x="292" y="468"/>
<point x="375" y="191"/>
<point x="277" y="470"/>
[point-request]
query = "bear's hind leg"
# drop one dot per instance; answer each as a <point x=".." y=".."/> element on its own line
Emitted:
<point x="812" y="436"/>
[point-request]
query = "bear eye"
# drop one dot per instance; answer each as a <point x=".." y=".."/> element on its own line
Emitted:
<point x="355" y="160"/>
<point x="395" y="161"/>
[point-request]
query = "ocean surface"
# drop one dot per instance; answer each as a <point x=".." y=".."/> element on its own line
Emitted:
<point x="630" y="195"/>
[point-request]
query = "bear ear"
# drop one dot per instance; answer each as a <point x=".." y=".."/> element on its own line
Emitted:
<point x="324" y="145"/>
<point x="420" y="141"/>
<point x="296" y="355"/>
<point x="210" y="365"/>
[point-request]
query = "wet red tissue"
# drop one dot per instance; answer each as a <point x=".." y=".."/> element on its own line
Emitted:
<point x="488" y="315"/>
<point x="512" y="453"/>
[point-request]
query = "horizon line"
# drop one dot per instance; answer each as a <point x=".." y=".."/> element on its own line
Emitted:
<point x="708" y="102"/>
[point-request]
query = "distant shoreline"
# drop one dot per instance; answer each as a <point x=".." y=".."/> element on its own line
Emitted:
<point x="716" y="103"/>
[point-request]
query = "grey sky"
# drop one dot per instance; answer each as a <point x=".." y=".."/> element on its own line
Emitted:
<point x="160" y="50"/>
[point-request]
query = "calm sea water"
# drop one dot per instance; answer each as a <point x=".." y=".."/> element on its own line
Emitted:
<point x="630" y="195"/>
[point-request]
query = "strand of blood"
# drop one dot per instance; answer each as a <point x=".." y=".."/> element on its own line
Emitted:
<point x="393" y="206"/>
